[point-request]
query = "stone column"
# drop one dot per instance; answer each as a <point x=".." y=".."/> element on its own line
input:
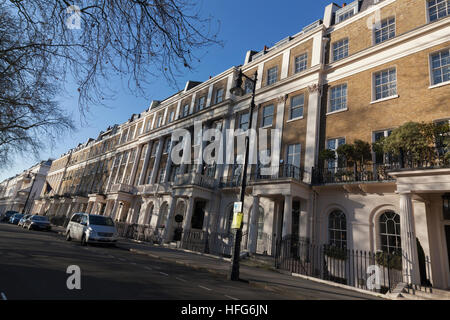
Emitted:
<point x="189" y="213"/>
<point x="253" y="226"/>
<point x="287" y="216"/>
<point x="410" y="259"/>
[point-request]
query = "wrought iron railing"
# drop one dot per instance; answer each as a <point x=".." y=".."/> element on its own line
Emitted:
<point x="137" y="232"/>
<point x="369" y="173"/>
<point x="283" y="171"/>
<point x="195" y="179"/>
<point x="220" y="244"/>
<point x="380" y="271"/>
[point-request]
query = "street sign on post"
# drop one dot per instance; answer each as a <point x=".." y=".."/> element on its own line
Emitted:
<point x="237" y="215"/>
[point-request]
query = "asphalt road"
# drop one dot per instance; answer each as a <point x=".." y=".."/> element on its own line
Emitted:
<point x="33" y="265"/>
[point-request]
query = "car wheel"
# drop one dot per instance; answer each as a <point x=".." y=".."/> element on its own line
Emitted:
<point x="83" y="240"/>
<point x="68" y="238"/>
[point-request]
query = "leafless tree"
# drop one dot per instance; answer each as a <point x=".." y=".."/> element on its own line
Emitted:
<point x="29" y="116"/>
<point x="41" y="47"/>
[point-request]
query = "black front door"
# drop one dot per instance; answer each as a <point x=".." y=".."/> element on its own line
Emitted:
<point x="447" y="236"/>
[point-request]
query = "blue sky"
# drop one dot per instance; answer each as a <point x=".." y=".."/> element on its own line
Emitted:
<point x="244" y="25"/>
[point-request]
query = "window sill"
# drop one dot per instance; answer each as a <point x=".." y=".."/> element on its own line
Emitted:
<point x="267" y="127"/>
<point x="337" y="111"/>
<point x="439" y="85"/>
<point x="385" y="99"/>
<point x="295" y="119"/>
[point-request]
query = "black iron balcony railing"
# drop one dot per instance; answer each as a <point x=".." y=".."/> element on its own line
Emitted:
<point x="369" y="173"/>
<point x="232" y="181"/>
<point x="283" y="171"/>
<point x="195" y="179"/>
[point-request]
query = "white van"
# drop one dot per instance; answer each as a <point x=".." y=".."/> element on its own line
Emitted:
<point x="91" y="228"/>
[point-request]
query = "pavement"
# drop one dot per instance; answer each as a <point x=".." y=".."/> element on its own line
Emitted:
<point x="281" y="286"/>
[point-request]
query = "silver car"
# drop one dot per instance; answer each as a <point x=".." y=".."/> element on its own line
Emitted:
<point x="90" y="228"/>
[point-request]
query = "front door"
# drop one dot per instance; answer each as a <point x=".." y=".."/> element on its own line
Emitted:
<point x="447" y="237"/>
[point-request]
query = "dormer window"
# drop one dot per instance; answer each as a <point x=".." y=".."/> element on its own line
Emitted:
<point x="347" y="11"/>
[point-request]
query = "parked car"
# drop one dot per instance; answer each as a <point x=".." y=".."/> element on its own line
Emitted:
<point x="90" y="228"/>
<point x="37" y="222"/>
<point x="15" y="218"/>
<point x="8" y="215"/>
<point x="22" y="220"/>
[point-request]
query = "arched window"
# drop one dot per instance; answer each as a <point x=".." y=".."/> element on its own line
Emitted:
<point x="337" y="229"/>
<point x="149" y="214"/>
<point x="390" y="232"/>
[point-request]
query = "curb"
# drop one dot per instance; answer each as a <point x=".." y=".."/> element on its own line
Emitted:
<point x="338" y="285"/>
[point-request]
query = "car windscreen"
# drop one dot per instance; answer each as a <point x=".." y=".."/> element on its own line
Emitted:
<point x="39" y="218"/>
<point x="18" y="215"/>
<point x="101" y="221"/>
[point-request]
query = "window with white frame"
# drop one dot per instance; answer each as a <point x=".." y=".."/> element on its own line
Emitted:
<point x="337" y="229"/>
<point x="385" y="84"/>
<point x="344" y="16"/>
<point x="297" y="104"/>
<point x="159" y="121"/>
<point x="440" y="66"/>
<point x="267" y="117"/>
<point x="148" y="125"/>
<point x="338" y="98"/>
<point x="385" y="30"/>
<point x="272" y="75"/>
<point x="347" y="11"/>
<point x="438" y="9"/>
<point x="243" y="121"/>
<point x="219" y="95"/>
<point x="201" y="103"/>
<point x="293" y="155"/>
<point x="185" y="112"/>
<point x="171" y="116"/>
<point x="390" y="239"/>
<point x="155" y="148"/>
<point x="261" y="224"/>
<point x="340" y="49"/>
<point x="333" y="144"/>
<point x="167" y="144"/>
<point x="301" y="63"/>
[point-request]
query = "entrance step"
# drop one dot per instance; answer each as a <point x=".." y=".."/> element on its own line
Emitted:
<point x="436" y="294"/>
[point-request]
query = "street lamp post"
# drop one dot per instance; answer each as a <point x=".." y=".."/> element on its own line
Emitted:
<point x="28" y="197"/>
<point x="238" y="91"/>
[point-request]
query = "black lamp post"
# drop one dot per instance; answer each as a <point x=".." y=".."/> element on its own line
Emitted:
<point x="238" y="91"/>
<point x="31" y="189"/>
